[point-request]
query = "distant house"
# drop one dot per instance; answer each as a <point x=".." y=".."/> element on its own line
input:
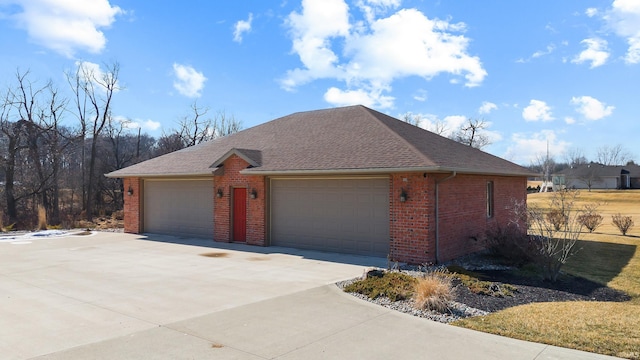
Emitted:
<point x="349" y="180"/>
<point x="598" y="176"/>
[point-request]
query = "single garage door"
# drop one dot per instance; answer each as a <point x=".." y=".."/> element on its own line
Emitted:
<point x="179" y="207"/>
<point x="337" y="215"/>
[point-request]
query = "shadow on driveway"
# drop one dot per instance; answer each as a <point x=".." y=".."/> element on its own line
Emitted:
<point x="266" y="250"/>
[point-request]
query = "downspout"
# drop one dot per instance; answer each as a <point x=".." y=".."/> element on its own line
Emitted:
<point x="437" y="211"/>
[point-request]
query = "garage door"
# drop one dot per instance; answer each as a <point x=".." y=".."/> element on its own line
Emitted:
<point x="179" y="207"/>
<point x="337" y="215"/>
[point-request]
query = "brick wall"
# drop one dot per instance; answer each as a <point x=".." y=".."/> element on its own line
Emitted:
<point x="411" y="222"/>
<point x="462" y="214"/>
<point x="132" y="205"/>
<point x="255" y="207"/>
<point x="463" y="211"/>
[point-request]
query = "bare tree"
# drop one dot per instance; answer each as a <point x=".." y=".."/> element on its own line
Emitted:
<point x="470" y="133"/>
<point x="575" y="157"/>
<point x="436" y="126"/>
<point x="412" y="119"/>
<point x="553" y="232"/>
<point x="590" y="176"/>
<point x="168" y="143"/>
<point x="11" y="146"/>
<point x="612" y="155"/>
<point x="93" y="96"/>
<point x="197" y="127"/>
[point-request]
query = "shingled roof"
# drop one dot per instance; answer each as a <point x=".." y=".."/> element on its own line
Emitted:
<point x="599" y="170"/>
<point x="353" y="139"/>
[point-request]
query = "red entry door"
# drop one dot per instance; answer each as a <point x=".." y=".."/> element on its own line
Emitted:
<point x="239" y="214"/>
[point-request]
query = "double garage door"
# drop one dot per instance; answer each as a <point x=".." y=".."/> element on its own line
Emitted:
<point x="337" y="215"/>
<point x="179" y="207"/>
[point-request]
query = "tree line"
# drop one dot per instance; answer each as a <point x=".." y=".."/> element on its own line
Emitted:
<point x="55" y="149"/>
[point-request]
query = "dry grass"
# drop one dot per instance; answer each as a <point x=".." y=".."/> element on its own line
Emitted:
<point x="433" y="292"/>
<point x="42" y="218"/>
<point x="607" y="328"/>
<point x="606" y="257"/>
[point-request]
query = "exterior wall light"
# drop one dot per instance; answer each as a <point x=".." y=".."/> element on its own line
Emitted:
<point x="219" y="193"/>
<point x="130" y="191"/>
<point x="403" y="196"/>
<point x="253" y="194"/>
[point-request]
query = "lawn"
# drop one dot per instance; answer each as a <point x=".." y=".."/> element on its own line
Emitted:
<point x="605" y="257"/>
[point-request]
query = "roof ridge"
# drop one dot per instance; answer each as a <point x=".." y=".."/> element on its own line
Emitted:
<point x="395" y="133"/>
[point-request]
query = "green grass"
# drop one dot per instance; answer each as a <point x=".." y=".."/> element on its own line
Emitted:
<point x="605" y="257"/>
<point x="394" y="285"/>
<point x="476" y="285"/>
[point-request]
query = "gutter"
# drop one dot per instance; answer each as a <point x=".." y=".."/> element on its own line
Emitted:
<point x="437" y="211"/>
<point x="167" y="175"/>
<point x="428" y="169"/>
<point x="310" y="172"/>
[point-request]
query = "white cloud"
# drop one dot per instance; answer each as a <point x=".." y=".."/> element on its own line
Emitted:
<point x="569" y="120"/>
<point x="188" y="82"/>
<point x="525" y="148"/>
<point x="591" y="108"/>
<point x="241" y="27"/>
<point x="624" y="19"/>
<point x="487" y="107"/>
<point x="537" y="110"/>
<point x="591" y="12"/>
<point x="127" y="123"/>
<point x="550" y="48"/>
<point x="149" y="124"/>
<point x="372" y="8"/>
<point x="421" y="95"/>
<point x="66" y="26"/>
<point x="377" y="52"/>
<point x="596" y="52"/>
<point x="374" y="98"/>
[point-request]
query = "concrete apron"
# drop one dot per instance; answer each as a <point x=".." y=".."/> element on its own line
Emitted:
<point x="130" y="297"/>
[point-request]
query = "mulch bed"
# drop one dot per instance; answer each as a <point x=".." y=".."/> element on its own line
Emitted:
<point x="531" y="290"/>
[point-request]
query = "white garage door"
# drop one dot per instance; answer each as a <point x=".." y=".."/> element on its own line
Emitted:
<point x="337" y="215"/>
<point x="179" y="207"/>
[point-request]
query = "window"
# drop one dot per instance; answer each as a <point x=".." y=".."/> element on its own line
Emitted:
<point x="489" y="199"/>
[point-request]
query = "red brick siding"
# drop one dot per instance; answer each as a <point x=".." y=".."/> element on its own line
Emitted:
<point x="255" y="207"/>
<point x="132" y="205"/>
<point x="411" y="225"/>
<point x="462" y="213"/>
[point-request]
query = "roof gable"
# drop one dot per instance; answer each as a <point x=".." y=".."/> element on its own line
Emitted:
<point x="252" y="157"/>
<point x="347" y="139"/>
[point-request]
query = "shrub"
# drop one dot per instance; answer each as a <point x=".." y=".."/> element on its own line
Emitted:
<point x="118" y="215"/>
<point x="557" y="218"/>
<point x="508" y="243"/>
<point x="433" y="292"/>
<point x="394" y="285"/>
<point x="476" y="285"/>
<point x="590" y="220"/>
<point x="554" y="234"/>
<point x="42" y="218"/>
<point x="623" y="223"/>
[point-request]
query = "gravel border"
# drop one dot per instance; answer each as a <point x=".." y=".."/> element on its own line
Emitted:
<point x="457" y="310"/>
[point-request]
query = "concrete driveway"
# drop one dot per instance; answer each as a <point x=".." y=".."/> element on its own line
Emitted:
<point x="121" y="296"/>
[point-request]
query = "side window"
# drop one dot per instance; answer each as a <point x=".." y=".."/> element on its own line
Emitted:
<point x="489" y="199"/>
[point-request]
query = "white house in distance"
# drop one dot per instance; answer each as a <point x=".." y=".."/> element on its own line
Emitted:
<point x="598" y="176"/>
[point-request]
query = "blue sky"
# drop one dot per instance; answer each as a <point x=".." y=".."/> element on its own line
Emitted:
<point x="563" y="72"/>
